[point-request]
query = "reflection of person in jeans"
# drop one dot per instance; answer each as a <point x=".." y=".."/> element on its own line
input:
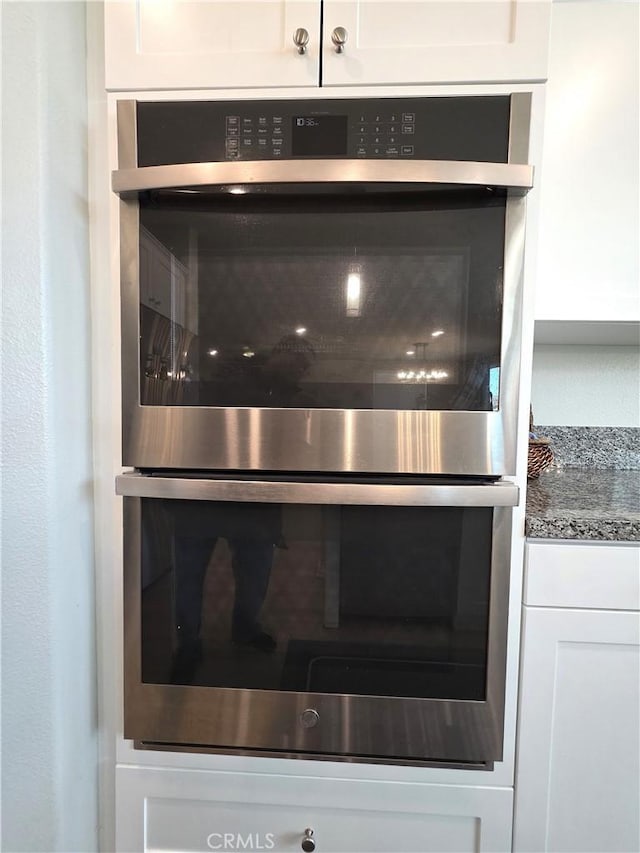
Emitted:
<point x="252" y="531"/>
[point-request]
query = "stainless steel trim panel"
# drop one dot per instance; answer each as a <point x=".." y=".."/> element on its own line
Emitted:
<point x="141" y="485"/>
<point x="316" y="440"/>
<point x="519" y="127"/>
<point x="189" y="175"/>
<point x="387" y="728"/>
<point x="127" y="135"/>
<point x="347" y="759"/>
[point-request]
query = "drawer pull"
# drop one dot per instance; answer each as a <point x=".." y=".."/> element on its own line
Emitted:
<point x="308" y="844"/>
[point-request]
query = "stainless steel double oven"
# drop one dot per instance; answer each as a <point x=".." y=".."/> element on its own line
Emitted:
<point x="320" y="344"/>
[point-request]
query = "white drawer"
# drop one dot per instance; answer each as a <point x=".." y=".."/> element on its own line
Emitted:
<point x="597" y="575"/>
<point x="165" y="809"/>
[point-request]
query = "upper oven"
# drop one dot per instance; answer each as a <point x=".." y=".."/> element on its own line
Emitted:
<point x="322" y="285"/>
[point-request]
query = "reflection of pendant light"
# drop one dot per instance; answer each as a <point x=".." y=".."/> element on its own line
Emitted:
<point x="354" y="290"/>
<point x="421" y="375"/>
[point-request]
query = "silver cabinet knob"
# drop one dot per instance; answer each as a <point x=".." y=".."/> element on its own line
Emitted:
<point x="301" y="39"/>
<point x="339" y="37"/>
<point x="308" y="844"/>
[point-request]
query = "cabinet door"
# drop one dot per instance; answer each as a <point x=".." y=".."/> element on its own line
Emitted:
<point x="168" y="810"/>
<point x="588" y="251"/>
<point x="182" y="44"/>
<point x="577" y="776"/>
<point x="436" y="41"/>
<point x="163" y="279"/>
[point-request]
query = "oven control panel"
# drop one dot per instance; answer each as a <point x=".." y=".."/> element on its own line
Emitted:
<point x="371" y="134"/>
<point x="446" y="128"/>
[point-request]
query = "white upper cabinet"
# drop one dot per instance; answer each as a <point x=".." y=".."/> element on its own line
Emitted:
<point x="435" y="41"/>
<point x="589" y="248"/>
<point x="204" y="44"/>
<point x="187" y="44"/>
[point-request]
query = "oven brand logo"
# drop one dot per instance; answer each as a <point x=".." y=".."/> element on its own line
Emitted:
<point x="238" y="841"/>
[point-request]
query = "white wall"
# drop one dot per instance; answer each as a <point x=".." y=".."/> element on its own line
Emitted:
<point x="589" y="245"/>
<point x="49" y="752"/>
<point x="586" y="386"/>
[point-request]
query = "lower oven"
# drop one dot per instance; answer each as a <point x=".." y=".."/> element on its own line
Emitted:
<point x="358" y="620"/>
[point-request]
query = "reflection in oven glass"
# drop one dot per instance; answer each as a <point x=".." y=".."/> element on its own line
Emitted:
<point x="381" y="601"/>
<point x="383" y="302"/>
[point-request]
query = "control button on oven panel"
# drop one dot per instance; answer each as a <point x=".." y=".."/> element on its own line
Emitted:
<point x="254" y="137"/>
<point x="378" y="135"/>
<point x="371" y="135"/>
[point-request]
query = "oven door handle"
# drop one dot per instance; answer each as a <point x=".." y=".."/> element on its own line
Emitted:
<point x="134" y="484"/>
<point x="245" y="174"/>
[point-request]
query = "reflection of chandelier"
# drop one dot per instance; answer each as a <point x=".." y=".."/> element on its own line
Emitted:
<point x="421" y="375"/>
<point x="417" y="374"/>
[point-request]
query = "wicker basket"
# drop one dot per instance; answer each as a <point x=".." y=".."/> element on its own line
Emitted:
<point x="540" y="457"/>
<point x="540" y="453"/>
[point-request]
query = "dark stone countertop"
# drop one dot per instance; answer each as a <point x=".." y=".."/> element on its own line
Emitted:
<point x="584" y="503"/>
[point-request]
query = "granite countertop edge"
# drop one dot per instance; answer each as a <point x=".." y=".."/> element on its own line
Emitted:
<point x="584" y="504"/>
<point x="583" y="530"/>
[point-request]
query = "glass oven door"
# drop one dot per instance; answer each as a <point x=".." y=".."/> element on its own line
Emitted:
<point x="349" y="619"/>
<point x="309" y="317"/>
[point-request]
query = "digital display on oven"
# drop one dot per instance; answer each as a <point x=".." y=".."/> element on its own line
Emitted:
<point x="319" y="136"/>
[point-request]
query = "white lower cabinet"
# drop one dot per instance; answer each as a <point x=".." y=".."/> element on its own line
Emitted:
<point x="163" y="809"/>
<point x="578" y="765"/>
